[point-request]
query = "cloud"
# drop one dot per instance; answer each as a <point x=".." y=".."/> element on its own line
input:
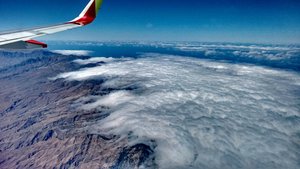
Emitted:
<point x="210" y="53"/>
<point x="110" y="100"/>
<point x="275" y="56"/>
<point x="201" y="113"/>
<point x="93" y="60"/>
<point x="73" y="52"/>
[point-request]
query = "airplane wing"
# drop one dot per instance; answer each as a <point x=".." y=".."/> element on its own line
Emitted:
<point x="23" y="39"/>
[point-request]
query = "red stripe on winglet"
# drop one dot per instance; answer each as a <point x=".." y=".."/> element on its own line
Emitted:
<point x="37" y="43"/>
<point x="88" y="17"/>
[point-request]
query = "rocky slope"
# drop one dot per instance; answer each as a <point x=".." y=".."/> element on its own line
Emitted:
<point x="41" y="128"/>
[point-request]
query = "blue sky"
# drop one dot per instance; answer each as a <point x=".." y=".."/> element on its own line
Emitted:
<point x="259" y="21"/>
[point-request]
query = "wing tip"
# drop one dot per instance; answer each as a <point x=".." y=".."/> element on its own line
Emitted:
<point x="88" y="14"/>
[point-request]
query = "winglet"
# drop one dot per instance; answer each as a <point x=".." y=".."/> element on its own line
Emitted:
<point x="89" y="13"/>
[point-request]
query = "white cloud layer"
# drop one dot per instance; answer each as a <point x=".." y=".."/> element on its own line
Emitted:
<point x="202" y="114"/>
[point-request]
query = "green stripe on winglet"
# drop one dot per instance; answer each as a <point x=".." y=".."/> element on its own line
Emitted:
<point x="98" y="5"/>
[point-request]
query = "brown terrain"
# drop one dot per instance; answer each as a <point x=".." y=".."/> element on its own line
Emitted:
<point x="41" y="128"/>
